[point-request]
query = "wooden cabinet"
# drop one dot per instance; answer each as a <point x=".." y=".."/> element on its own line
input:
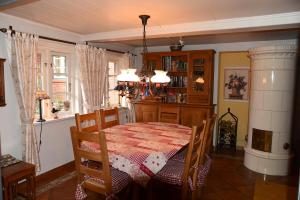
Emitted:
<point x="152" y="62"/>
<point x="191" y="74"/>
<point x="190" y="90"/>
<point x="146" y="112"/>
<point x="194" y="115"/>
<point x="189" y="114"/>
<point x="2" y="86"/>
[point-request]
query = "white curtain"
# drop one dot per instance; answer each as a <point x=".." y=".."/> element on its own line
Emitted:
<point x="92" y="67"/>
<point x="22" y="49"/>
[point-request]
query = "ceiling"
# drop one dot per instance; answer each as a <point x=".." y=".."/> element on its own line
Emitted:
<point x="115" y="24"/>
<point x="95" y="16"/>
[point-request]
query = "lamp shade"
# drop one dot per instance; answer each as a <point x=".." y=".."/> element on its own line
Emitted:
<point x="128" y="75"/>
<point x="200" y="80"/>
<point x="41" y="94"/>
<point x="160" y="77"/>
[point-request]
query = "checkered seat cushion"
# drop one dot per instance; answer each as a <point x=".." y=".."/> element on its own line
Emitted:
<point x="180" y="156"/>
<point x="120" y="180"/>
<point x="172" y="172"/>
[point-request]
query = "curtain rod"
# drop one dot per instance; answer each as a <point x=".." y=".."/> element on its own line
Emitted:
<point x="4" y="30"/>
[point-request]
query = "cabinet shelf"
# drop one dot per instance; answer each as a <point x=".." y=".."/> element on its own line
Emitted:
<point x="178" y="88"/>
<point x="177" y="73"/>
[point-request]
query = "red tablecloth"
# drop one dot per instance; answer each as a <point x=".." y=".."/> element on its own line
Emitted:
<point x="142" y="149"/>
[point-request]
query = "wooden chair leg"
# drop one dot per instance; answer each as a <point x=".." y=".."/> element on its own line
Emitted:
<point x="184" y="192"/>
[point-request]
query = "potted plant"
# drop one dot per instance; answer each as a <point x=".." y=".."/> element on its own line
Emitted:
<point x="236" y="84"/>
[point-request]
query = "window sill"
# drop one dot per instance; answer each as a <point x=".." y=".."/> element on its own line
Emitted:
<point x="52" y="120"/>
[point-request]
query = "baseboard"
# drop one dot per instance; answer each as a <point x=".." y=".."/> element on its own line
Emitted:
<point x="55" y="173"/>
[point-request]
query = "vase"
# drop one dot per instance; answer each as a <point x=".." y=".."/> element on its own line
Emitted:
<point x="235" y="94"/>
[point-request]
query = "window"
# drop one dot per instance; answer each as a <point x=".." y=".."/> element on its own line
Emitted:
<point x="113" y="95"/>
<point x="60" y="86"/>
<point x="54" y="77"/>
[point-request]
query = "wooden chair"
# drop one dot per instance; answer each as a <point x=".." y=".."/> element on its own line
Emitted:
<point x="94" y="172"/>
<point x="88" y="122"/>
<point x="109" y="113"/>
<point x="180" y="157"/>
<point x="169" y="114"/>
<point x="204" y="160"/>
<point x="209" y="134"/>
<point x="191" y="166"/>
<point x="183" y="174"/>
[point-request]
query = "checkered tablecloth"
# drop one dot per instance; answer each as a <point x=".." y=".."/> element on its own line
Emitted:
<point x="142" y="149"/>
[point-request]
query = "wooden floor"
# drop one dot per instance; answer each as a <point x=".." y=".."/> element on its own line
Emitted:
<point x="228" y="179"/>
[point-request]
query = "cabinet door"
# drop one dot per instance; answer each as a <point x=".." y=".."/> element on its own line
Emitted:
<point x="200" y="77"/>
<point x="193" y="116"/>
<point x="146" y="113"/>
<point x="153" y="61"/>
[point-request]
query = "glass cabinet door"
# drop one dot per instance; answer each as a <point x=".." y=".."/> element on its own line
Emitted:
<point x="200" y="66"/>
<point x="152" y="62"/>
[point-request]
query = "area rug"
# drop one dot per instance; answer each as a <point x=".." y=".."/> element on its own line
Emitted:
<point x="266" y="190"/>
<point x="54" y="183"/>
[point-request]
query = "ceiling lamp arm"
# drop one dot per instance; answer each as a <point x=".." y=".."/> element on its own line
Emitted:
<point x="144" y="19"/>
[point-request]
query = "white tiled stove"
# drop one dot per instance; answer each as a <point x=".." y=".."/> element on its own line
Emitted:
<point x="271" y="101"/>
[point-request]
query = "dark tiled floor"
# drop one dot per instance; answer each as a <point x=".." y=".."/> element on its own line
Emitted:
<point x="228" y="179"/>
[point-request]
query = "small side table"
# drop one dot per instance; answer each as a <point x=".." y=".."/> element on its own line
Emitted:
<point x="13" y="174"/>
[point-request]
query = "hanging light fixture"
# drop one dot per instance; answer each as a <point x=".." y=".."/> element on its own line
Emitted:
<point x="160" y="78"/>
<point x="148" y="86"/>
<point x="145" y="71"/>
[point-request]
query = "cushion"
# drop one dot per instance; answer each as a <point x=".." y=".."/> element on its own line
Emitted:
<point x="120" y="180"/>
<point x="180" y="156"/>
<point x="172" y="172"/>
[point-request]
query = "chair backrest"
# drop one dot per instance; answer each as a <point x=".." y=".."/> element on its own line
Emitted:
<point x="100" y="157"/>
<point x="192" y="156"/>
<point x="87" y="122"/>
<point x="169" y="114"/>
<point x="104" y="114"/>
<point x="208" y="142"/>
<point x="205" y="149"/>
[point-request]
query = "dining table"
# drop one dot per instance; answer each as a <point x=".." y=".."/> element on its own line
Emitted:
<point x="142" y="149"/>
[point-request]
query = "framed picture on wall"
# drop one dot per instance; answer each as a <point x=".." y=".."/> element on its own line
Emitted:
<point x="236" y="83"/>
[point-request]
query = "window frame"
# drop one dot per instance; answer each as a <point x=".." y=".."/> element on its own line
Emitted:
<point x="47" y="49"/>
<point x="108" y="102"/>
<point x="68" y="92"/>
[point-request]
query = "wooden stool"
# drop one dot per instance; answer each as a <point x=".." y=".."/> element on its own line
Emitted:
<point x="13" y="174"/>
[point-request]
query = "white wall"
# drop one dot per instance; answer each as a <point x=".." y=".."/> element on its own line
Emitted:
<point x="56" y="148"/>
<point x="9" y="115"/>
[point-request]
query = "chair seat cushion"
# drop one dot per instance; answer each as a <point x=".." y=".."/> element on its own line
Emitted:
<point x="180" y="156"/>
<point x="119" y="180"/>
<point x="172" y="172"/>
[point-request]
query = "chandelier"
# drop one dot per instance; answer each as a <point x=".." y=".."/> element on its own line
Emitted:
<point x="130" y="85"/>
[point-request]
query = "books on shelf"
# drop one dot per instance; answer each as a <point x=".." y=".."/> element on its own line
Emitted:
<point x="171" y="64"/>
<point x="178" y="81"/>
